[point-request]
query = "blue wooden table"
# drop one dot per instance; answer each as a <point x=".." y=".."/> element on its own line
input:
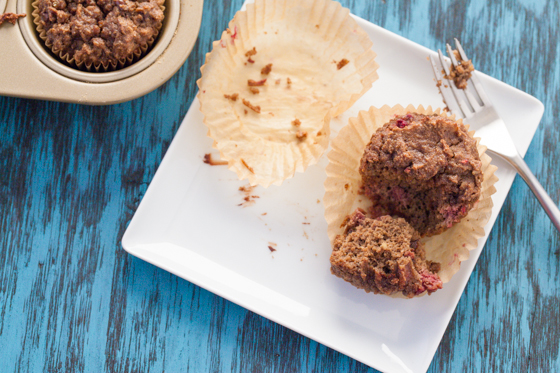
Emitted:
<point x="71" y="177"/>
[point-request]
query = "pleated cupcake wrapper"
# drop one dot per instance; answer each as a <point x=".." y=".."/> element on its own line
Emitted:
<point x="343" y="181"/>
<point x="305" y="40"/>
<point x="69" y="60"/>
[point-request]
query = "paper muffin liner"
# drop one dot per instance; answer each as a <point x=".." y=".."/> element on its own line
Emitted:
<point x="322" y="63"/>
<point x="136" y="55"/>
<point x="343" y="181"/>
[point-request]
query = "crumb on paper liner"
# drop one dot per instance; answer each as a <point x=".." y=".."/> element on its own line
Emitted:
<point x="276" y="77"/>
<point x="343" y="181"/>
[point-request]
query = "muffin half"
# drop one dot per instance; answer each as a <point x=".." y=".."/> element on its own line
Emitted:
<point x="383" y="255"/>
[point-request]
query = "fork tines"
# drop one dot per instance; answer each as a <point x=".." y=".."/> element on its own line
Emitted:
<point x="463" y="102"/>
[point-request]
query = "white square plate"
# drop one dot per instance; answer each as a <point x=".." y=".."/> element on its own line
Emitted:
<point x="190" y="223"/>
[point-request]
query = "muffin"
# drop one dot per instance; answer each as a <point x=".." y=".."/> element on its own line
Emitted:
<point x="424" y="168"/>
<point x="272" y="82"/>
<point x="383" y="255"/>
<point x="344" y="191"/>
<point x="98" y="34"/>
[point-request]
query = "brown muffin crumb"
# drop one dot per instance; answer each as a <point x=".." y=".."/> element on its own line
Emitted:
<point x="253" y="83"/>
<point x="249" y="198"/>
<point x="10" y="17"/>
<point x="289" y="81"/>
<point x="232" y="97"/>
<point x="248" y="189"/>
<point x="296" y="122"/>
<point x="209" y="160"/>
<point x="254" y="90"/>
<point x="267" y="69"/>
<point x="252" y="52"/>
<point x="256" y="109"/>
<point x="383" y="255"/>
<point x="462" y="73"/>
<point x="301" y="135"/>
<point x="343" y="62"/>
<point x="246" y="165"/>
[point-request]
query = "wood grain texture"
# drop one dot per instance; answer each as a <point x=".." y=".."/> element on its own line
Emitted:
<point x="71" y="177"/>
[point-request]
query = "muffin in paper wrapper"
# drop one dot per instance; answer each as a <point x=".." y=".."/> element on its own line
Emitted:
<point x="308" y="62"/>
<point x="136" y="55"/>
<point x="343" y="182"/>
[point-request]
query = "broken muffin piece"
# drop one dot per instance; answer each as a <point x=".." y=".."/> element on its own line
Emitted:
<point x="383" y="256"/>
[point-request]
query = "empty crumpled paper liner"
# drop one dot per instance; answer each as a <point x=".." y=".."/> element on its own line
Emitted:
<point x="322" y="63"/>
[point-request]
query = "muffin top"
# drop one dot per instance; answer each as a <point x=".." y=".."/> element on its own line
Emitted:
<point x="383" y="255"/>
<point x="425" y="168"/>
<point x="99" y="32"/>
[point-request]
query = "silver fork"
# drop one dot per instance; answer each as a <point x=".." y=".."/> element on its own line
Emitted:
<point x="473" y="105"/>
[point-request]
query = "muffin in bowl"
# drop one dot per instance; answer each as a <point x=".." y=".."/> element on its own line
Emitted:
<point x="98" y="35"/>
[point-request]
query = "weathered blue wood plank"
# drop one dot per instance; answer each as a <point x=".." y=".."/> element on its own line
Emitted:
<point x="71" y="177"/>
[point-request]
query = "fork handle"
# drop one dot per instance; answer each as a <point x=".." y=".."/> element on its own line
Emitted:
<point x="543" y="197"/>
